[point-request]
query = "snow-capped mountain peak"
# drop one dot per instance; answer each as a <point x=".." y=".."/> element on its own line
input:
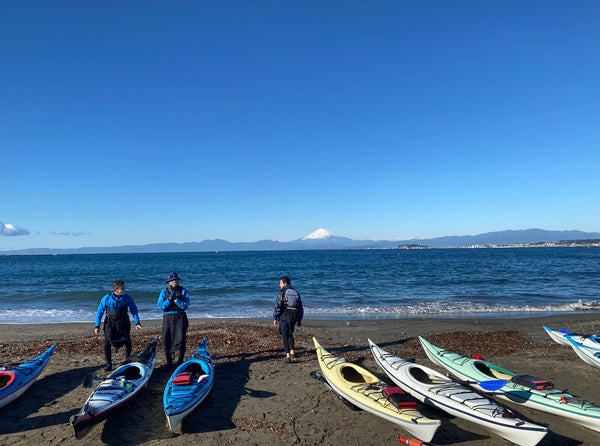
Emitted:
<point x="318" y="234"/>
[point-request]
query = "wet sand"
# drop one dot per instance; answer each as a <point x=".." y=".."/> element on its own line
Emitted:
<point x="258" y="399"/>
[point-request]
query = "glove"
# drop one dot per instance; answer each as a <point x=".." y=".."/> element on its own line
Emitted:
<point x="299" y="324"/>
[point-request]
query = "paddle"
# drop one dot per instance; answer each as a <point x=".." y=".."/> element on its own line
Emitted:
<point x="318" y="377"/>
<point x="491" y="385"/>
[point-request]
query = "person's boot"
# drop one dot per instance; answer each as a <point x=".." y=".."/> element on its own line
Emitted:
<point x="127" y="355"/>
<point x="108" y="358"/>
<point x="181" y="356"/>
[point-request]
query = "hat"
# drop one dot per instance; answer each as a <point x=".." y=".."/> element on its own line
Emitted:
<point x="172" y="276"/>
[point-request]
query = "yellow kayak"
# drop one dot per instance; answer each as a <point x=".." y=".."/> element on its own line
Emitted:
<point x="363" y="389"/>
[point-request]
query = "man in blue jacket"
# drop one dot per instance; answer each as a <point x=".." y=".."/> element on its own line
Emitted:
<point x="174" y="300"/>
<point x="117" y="326"/>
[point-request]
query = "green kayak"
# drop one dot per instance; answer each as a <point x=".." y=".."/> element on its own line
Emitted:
<point x="520" y="389"/>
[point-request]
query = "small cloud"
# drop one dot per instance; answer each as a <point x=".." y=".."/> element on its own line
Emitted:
<point x="11" y="230"/>
<point x="74" y="234"/>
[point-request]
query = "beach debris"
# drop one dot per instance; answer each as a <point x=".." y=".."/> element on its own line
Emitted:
<point x="250" y="424"/>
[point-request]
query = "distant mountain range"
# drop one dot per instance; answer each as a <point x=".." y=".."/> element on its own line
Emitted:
<point x="324" y="239"/>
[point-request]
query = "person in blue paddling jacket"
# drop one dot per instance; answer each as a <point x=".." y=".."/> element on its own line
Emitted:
<point x="288" y="313"/>
<point x="174" y="300"/>
<point x="117" y="326"/>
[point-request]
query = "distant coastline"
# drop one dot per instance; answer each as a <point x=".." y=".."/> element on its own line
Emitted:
<point x="324" y="240"/>
<point x="556" y="244"/>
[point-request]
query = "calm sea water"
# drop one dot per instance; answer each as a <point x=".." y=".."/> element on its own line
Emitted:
<point x="335" y="284"/>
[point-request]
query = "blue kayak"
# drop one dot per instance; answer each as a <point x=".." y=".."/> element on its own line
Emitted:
<point x="16" y="380"/>
<point x="188" y="386"/>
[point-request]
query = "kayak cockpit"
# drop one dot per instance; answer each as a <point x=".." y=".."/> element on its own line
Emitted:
<point x="6" y="379"/>
<point x="351" y="375"/>
<point x="488" y="371"/>
<point x="423" y="377"/>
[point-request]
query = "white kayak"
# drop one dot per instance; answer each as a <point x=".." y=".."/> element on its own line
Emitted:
<point x="112" y="393"/>
<point x="589" y="355"/>
<point x="560" y="336"/>
<point x="587" y="347"/>
<point x="441" y="392"/>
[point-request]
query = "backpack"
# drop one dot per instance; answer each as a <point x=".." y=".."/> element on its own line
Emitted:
<point x="291" y="298"/>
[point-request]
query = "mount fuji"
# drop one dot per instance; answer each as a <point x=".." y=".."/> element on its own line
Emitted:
<point x="318" y="234"/>
<point x="322" y="237"/>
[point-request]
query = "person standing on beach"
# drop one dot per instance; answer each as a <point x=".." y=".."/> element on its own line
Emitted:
<point x="174" y="300"/>
<point x="117" y="326"/>
<point x="288" y="312"/>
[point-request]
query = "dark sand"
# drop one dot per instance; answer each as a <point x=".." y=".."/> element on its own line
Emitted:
<point x="258" y="399"/>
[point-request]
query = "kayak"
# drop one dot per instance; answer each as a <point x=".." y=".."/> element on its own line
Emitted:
<point x="119" y="388"/>
<point x="590" y="355"/>
<point x="441" y="392"/>
<point x="560" y="336"/>
<point x="587" y="347"/>
<point x="364" y="390"/>
<point x="14" y="380"/>
<point x="550" y="400"/>
<point x="188" y="386"/>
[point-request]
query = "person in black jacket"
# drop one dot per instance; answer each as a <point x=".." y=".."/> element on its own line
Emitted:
<point x="288" y="312"/>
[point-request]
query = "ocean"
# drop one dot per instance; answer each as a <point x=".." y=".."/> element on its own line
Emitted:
<point x="334" y="284"/>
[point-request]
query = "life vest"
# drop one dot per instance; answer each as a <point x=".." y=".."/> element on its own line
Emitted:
<point x="176" y="294"/>
<point x="116" y="316"/>
<point x="117" y="324"/>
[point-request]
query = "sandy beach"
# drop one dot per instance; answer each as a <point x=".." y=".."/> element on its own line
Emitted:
<point x="259" y="399"/>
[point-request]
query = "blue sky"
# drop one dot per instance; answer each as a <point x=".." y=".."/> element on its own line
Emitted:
<point x="143" y="122"/>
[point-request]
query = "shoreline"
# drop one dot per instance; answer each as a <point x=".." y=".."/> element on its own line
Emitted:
<point x="258" y="399"/>
<point x="44" y="330"/>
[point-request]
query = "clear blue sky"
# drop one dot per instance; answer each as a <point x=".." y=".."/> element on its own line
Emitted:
<point x="153" y="121"/>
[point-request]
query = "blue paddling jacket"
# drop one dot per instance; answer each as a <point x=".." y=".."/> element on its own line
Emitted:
<point x="174" y="300"/>
<point x="113" y="303"/>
